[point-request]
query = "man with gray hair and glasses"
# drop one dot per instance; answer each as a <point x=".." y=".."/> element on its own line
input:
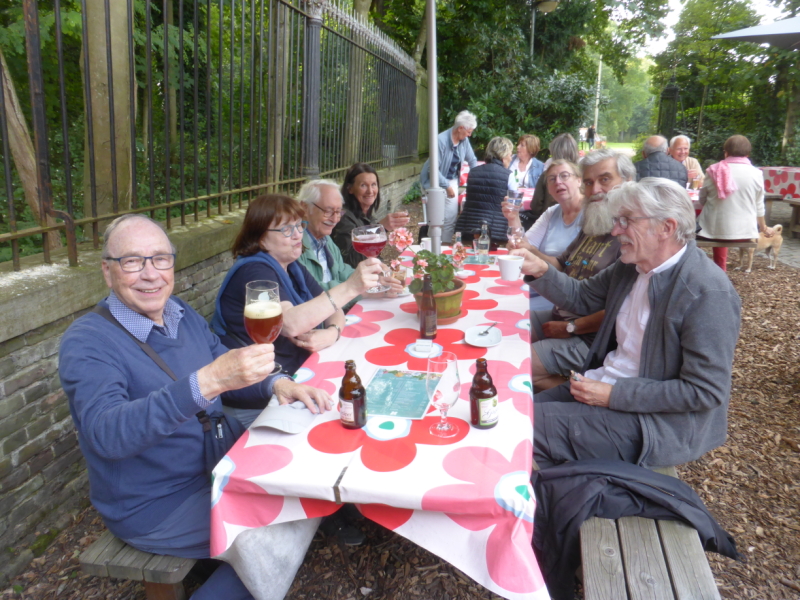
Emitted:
<point x="657" y="163"/>
<point x="321" y="256"/>
<point x="655" y="386"/>
<point x="453" y="148"/>
<point x="137" y="419"/>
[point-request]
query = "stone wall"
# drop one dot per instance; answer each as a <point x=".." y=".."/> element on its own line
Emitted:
<point x="42" y="474"/>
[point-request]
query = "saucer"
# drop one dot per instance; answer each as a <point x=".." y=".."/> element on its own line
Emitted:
<point x="464" y="273"/>
<point x="472" y="337"/>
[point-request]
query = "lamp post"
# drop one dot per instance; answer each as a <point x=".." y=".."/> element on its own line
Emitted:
<point x="543" y="6"/>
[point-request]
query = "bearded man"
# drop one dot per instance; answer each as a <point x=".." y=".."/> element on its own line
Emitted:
<point x="560" y="339"/>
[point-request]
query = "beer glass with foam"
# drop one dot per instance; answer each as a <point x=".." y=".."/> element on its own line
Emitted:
<point x="263" y="316"/>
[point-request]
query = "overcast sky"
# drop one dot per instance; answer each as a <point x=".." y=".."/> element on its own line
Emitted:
<point x="764" y="7"/>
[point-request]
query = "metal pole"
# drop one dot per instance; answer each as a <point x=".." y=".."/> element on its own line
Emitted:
<point x="311" y="87"/>
<point x="597" y="95"/>
<point x="533" y="26"/>
<point x="436" y="195"/>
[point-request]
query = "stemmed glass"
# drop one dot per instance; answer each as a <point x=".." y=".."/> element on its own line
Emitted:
<point x="263" y="315"/>
<point x="443" y="386"/>
<point x="515" y="235"/>
<point x="370" y="240"/>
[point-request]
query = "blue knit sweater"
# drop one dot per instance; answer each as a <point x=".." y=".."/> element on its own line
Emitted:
<point x="136" y="426"/>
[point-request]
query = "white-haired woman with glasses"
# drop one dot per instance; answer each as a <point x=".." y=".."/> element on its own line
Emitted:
<point x="268" y="248"/>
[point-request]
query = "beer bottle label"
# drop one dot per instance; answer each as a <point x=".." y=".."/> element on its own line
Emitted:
<point x="429" y="324"/>
<point x="346" y="412"/>
<point x="488" y="411"/>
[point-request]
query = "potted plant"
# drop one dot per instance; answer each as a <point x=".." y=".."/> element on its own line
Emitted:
<point x="447" y="289"/>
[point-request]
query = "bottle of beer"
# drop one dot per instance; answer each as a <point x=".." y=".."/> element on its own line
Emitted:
<point x="483" y="244"/>
<point x="483" y="398"/>
<point x="427" y="310"/>
<point x="352" y="399"/>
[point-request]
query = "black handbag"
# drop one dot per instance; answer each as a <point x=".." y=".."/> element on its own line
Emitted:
<point x="220" y="431"/>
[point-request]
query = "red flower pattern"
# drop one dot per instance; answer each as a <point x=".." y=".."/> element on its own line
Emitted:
<point x="317" y="374"/>
<point x="398" y="353"/>
<point x="508" y="288"/>
<point x="512" y="383"/>
<point x="361" y="323"/>
<point x="381" y="455"/>
<point x="509" y="322"/>
<point x="497" y="495"/>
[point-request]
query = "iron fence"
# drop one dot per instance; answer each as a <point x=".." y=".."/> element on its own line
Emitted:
<point x="184" y="108"/>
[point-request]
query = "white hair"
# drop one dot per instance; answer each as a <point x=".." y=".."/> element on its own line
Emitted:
<point x="680" y="137"/>
<point x="661" y="147"/>
<point x="311" y="191"/>
<point x="658" y="198"/>
<point x="466" y="120"/>
<point x="625" y="168"/>
<point x="114" y="225"/>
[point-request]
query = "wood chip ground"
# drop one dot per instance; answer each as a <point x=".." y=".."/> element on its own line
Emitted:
<point x="752" y="486"/>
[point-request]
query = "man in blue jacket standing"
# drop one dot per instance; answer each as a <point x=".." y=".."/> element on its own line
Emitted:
<point x="454" y="148"/>
<point x="137" y="427"/>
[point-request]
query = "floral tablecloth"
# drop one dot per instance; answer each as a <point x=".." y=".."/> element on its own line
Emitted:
<point x="782" y="180"/>
<point x="467" y="499"/>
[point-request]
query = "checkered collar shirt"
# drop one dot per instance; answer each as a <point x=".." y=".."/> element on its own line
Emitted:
<point x="140" y="326"/>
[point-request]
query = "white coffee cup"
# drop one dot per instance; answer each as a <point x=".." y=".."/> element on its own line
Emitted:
<point x="426" y="244"/>
<point x="510" y="267"/>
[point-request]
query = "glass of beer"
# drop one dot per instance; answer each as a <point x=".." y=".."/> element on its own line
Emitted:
<point x="263" y="316"/>
<point x="370" y="240"/>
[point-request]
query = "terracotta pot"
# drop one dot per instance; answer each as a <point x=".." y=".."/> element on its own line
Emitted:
<point x="448" y="304"/>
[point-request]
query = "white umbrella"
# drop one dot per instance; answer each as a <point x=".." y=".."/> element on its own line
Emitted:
<point x="783" y="34"/>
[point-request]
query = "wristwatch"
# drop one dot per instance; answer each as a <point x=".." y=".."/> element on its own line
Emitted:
<point x="571" y="327"/>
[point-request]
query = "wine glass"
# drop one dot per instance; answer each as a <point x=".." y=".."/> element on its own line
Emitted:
<point x="443" y="387"/>
<point x="370" y="240"/>
<point x="515" y="235"/>
<point x="263" y="315"/>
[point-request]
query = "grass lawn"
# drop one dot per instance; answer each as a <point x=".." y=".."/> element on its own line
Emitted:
<point x="620" y="145"/>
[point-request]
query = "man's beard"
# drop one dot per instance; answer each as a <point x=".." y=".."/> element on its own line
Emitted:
<point x="597" y="218"/>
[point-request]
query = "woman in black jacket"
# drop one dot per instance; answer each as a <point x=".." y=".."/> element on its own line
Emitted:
<point x="486" y="187"/>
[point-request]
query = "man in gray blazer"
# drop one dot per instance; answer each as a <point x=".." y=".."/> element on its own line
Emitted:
<point x="655" y="386"/>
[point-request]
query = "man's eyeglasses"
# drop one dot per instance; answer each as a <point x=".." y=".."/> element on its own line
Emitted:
<point x="623" y="222"/>
<point x="287" y="230"/>
<point x="132" y="264"/>
<point x="565" y="176"/>
<point x="329" y="212"/>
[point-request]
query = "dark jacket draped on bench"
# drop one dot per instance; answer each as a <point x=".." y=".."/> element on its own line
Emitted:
<point x="569" y="494"/>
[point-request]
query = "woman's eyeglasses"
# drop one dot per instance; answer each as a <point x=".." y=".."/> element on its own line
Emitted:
<point x="564" y="176"/>
<point x="288" y="230"/>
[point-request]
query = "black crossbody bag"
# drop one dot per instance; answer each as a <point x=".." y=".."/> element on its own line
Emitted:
<point x="220" y="431"/>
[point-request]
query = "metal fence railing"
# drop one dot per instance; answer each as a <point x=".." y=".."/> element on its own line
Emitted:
<point x="184" y="108"/>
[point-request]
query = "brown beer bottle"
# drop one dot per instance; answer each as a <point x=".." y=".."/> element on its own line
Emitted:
<point x="352" y="399"/>
<point x="427" y="310"/>
<point x="483" y="398"/>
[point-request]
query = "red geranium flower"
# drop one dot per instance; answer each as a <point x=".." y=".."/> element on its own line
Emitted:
<point x="387" y="443"/>
<point x="401" y="349"/>
<point x="361" y="323"/>
<point x="498" y="495"/>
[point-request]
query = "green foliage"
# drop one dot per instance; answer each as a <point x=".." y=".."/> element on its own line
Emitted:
<point x="793" y="149"/>
<point x="628" y="104"/>
<point x="740" y="86"/>
<point x="413" y="194"/>
<point x="438" y="266"/>
<point x="485" y="65"/>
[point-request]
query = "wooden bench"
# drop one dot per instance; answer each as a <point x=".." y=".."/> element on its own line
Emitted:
<point x="634" y="558"/>
<point x="725" y="244"/>
<point x="162" y="575"/>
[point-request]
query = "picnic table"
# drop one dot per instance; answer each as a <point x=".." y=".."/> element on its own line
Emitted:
<point x="467" y="499"/>
<point x="783" y="184"/>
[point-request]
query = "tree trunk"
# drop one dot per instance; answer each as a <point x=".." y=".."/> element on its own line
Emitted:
<point x="172" y="95"/>
<point x="355" y="93"/>
<point x="422" y="38"/>
<point x="279" y="81"/>
<point x="792" y="111"/>
<point x="21" y="147"/>
<point x="700" y="116"/>
<point x="101" y="144"/>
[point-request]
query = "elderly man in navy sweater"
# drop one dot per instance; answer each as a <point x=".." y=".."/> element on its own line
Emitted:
<point x="137" y="427"/>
